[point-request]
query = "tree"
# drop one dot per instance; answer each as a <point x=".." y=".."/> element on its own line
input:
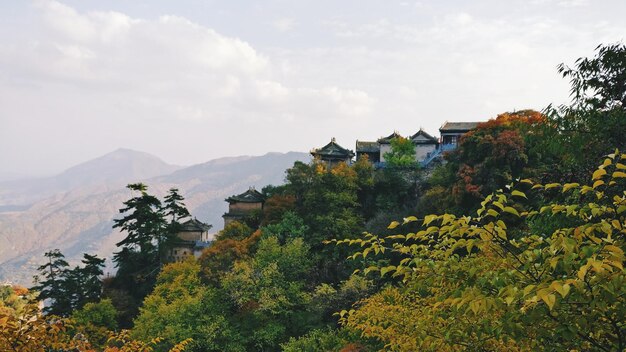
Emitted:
<point x="52" y="285"/>
<point x="181" y="308"/>
<point x="68" y="289"/>
<point x="503" y="279"/>
<point x="402" y="154"/>
<point x="595" y="119"/>
<point x="96" y="320"/>
<point x="138" y="261"/>
<point x="14" y="299"/>
<point x="174" y="211"/>
<point x="268" y="292"/>
<point x="90" y="279"/>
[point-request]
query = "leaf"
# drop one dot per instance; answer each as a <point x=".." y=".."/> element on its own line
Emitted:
<point x="492" y="212"/>
<point x="386" y="269"/>
<point x="598" y="183"/>
<point x="583" y="271"/>
<point x="549" y="299"/>
<point x="563" y="290"/>
<point x="619" y="174"/>
<point x="598" y="173"/>
<point x="519" y="194"/>
<point x="393" y="225"/>
<point x="511" y="210"/>
<point x="528" y="289"/>
<point x="409" y="219"/>
<point x="552" y="185"/>
<point x="568" y="186"/>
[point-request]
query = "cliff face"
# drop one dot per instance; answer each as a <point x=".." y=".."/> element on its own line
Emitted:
<point x="75" y="211"/>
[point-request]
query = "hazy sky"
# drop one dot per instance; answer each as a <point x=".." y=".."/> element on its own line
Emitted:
<point x="194" y="80"/>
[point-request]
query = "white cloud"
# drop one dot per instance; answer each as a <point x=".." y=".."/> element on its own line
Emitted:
<point x="284" y="24"/>
<point x="176" y="78"/>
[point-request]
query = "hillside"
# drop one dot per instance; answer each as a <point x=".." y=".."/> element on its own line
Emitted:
<point x="112" y="169"/>
<point x="79" y="219"/>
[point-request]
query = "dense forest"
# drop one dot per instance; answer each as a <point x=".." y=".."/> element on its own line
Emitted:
<point x="515" y="242"/>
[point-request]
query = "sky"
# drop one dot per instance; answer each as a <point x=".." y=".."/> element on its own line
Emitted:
<point x="194" y="80"/>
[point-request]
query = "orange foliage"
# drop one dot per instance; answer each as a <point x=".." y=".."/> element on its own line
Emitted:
<point x="20" y="290"/>
<point x="220" y="257"/>
<point x="275" y="207"/>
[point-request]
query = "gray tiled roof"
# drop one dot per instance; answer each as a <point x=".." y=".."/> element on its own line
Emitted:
<point x="426" y="138"/>
<point x="387" y="140"/>
<point x="367" y="147"/>
<point x="249" y="196"/>
<point x="458" y="126"/>
<point x="332" y="150"/>
<point x="194" y="225"/>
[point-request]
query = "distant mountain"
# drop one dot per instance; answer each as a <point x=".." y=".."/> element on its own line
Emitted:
<point x="79" y="218"/>
<point x="113" y="169"/>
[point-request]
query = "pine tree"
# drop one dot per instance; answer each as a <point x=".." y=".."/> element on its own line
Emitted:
<point x="174" y="211"/>
<point x="138" y="260"/>
<point x="52" y="285"/>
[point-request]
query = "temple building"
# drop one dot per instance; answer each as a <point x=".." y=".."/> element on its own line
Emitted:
<point x="425" y="145"/>
<point x="192" y="238"/>
<point x="243" y="205"/>
<point x="333" y="154"/>
<point x="371" y="149"/>
<point x="451" y="132"/>
<point x="385" y="144"/>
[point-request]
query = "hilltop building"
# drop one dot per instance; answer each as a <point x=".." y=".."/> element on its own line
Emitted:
<point x="451" y="132"/>
<point x="193" y="237"/>
<point x="371" y="149"/>
<point x="384" y="144"/>
<point x="427" y="147"/>
<point x="243" y="205"/>
<point x="333" y="154"/>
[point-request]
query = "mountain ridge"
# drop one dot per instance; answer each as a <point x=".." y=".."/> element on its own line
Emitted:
<point x="79" y="219"/>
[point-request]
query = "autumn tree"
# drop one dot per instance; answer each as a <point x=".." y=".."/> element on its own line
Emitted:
<point x="181" y="308"/>
<point x="498" y="281"/>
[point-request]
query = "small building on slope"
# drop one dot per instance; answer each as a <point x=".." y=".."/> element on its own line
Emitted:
<point x="333" y="154"/>
<point x="192" y="239"/>
<point x="243" y="205"/>
<point x="451" y="132"/>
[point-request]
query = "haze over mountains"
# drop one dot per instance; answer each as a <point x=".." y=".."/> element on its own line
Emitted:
<point x="74" y="210"/>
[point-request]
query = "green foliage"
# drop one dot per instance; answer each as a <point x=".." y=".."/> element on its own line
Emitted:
<point x="96" y="321"/>
<point x="316" y="340"/>
<point x="14" y="299"/>
<point x="488" y="282"/>
<point x="151" y="227"/>
<point x="402" y="154"/>
<point x="138" y="260"/>
<point x="290" y="226"/>
<point x="51" y="284"/>
<point x="235" y="231"/>
<point x="101" y="314"/>
<point x="595" y="120"/>
<point x="181" y="308"/>
<point x="65" y="290"/>
<point x="269" y="293"/>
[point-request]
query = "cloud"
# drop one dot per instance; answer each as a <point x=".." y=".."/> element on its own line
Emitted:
<point x="168" y="75"/>
<point x="168" y="59"/>
<point x="284" y="24"/>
